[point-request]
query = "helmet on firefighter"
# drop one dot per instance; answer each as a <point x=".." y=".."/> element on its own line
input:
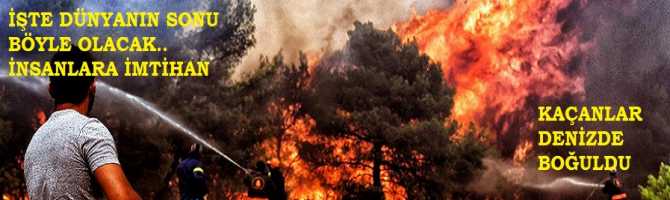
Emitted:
<point x="194" y="151"/>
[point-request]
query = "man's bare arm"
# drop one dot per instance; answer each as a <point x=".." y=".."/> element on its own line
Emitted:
<point x="114" y="183"/>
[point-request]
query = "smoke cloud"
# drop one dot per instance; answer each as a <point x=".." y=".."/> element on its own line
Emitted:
<point x="629" y="65"/>
<point x="317" y="26"/>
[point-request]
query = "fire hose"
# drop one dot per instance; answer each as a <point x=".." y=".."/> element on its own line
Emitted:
<point x="262" y="182"/>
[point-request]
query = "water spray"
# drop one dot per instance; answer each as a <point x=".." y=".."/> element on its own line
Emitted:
<point x="564" y="182"/>
<point x="153" y="110"/>
<point x="36" y="85"/>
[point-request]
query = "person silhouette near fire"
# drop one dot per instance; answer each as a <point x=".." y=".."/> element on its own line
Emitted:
<point x="613" y="187"/>
<point x="192" y="178"/>
<point x="266" y="181"/>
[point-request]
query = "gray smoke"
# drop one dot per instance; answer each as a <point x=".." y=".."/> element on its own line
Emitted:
<point x="630" y="65"/>
<point x="317" y="26"/>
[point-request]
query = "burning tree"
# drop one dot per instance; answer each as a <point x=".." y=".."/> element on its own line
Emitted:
<point x="285" y="84"/>
<point x="391" y="102"/>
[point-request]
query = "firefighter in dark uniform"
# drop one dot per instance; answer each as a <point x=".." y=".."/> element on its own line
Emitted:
<point x="266" y="181"/>
<point x="277" y="178"/>
<point x="614" y="188"/>
<point x="192" y="178"/>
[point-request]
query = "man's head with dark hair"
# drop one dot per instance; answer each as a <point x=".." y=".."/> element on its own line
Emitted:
<point x="73" y="89"/>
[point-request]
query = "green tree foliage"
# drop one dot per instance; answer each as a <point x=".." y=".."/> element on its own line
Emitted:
<point x="226" y="44"/>
<point x="282" y="86"/>
<point x="384" y="93"/>
<point x="657" y="188"/>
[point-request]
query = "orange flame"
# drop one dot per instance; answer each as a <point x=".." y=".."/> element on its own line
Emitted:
<point x="497" y="53"/>
<point x="521" y="152"/>
<point x="308" y="182"/>
<point x="40" y="118"/>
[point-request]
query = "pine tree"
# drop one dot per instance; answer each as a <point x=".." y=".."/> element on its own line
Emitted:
<point x="384" y="93"/>
<point x="657" y="188"/>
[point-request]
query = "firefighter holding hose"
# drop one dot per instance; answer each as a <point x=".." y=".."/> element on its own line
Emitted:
<point x="192" y="178"/>
<point x="266" y="181"/>
<point x="613" y="187"/>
